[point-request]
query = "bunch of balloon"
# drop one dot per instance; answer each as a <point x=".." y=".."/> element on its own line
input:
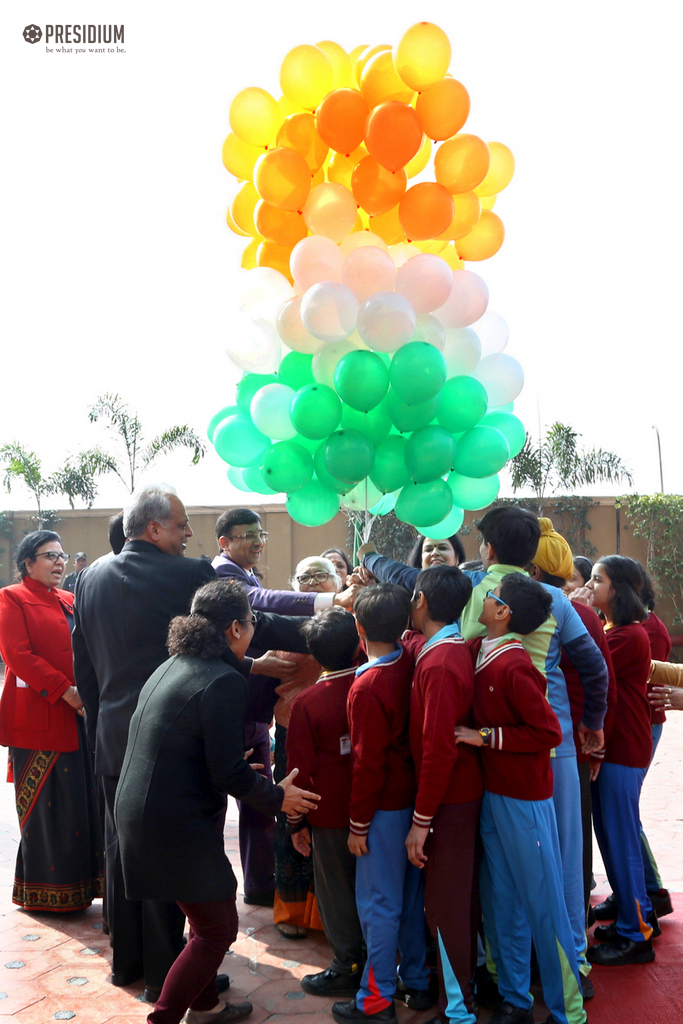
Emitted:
<point x="375" y="374"/>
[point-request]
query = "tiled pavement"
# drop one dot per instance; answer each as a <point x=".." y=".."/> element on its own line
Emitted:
<point x="57" y="967"/>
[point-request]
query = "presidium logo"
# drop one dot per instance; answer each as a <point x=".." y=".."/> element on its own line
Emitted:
<point x="33" y="33"/>
<point x="83" y="35"/>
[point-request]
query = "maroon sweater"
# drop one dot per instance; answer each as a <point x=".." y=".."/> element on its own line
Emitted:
<point x="509" y="697"/>
<point x="440" y="699"/>
<point x="383" y="774"/>
<point x="660" y="645"/>
<point x="594" y="626"/>
<point x="631" y="741"/>
<point x="318" y="744"/>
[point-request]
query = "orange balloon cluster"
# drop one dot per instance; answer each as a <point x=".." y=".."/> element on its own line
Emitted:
<point x="348" y="134"/>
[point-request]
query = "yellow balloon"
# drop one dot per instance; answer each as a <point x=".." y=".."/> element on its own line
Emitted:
<point x="433" y="245"/>
<point x="248" y="261"/>
<point x="421" y="158"/>
<point x="233" y="227"/>
<point x="306" y="76"/>
<point x="340" y="61"/>
<point x="318" y="178"/>
<point x="239" y="157"/>
<point x="298" y="131"/>
<point x="275" y="256"/>
<point x="484" y="240"/>
<point x="287" y="108"/>
<point x="364" y="56"/>
<point x="283" y="178"/>
<point x="254" y="116"/>
<point x="242" y="208"/>
<point x="379" y="81"/>
<point x="402" y="252"/>
<point x="340" y="167"/>
<point x="450" y="255"/>
<point x="388" y="227"/>
<point x="462" y="163"/>
<point x="358" y="239"/>
<point x="330" y="210"/>
<point x="487" y="202"/>
<point x="422" y="55"/>
<point x="467" y="213"/>
<point x="500" y="172"/>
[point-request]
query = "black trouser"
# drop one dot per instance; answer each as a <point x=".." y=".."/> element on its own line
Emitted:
<point x="587" y="827"/>
<point x="146" y="935"/>
<point x="334" y="870"/>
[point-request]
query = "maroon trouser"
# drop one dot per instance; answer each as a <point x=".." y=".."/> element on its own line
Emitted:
<point x="451" y="895"/>
<point x="191" y="981"/>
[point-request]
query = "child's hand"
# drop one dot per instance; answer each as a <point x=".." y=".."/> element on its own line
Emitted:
<point x="591" y="739"/>
<point x="358" y="845"/>
<point x="301" y="841"/>
<point x="415" y="841"/>
<point x="465" y="735"/>
<point x="594" y="769"/>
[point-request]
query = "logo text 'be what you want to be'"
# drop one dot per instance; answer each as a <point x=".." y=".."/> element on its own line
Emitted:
<point x="77" y="38"/>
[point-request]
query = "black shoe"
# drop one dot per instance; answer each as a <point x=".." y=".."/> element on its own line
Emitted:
<point x="414" y="998"/>
<point x="348" y="1013"/>
<point x="607" y="910"/>
<point x="151" y="995"/>
<point x="509" y="1014"/>
<point x="121" y="978"/>
<point x="587" y="990"/>
<point x="485" y="989"/>
<point x="332" y="983"/>
<point x="260" y="899"/>
<point x="661" y="902"/>
<point x="609" y="933"/>
<point x="230" y="1014"/>
<point x="621" y="952"/>
<point x="590" y="917"/>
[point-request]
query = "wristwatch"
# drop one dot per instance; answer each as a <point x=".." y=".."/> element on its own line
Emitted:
<point x="485" y="736"/>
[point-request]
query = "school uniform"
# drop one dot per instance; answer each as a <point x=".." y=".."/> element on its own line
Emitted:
<point x="389" y="889"/>
<point x="660" y="647"/>
<point x="319" y="745"/>
<point x="449" y="791"/>
<point x="521" y="878"/>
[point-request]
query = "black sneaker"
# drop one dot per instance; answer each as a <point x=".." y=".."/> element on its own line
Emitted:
<point x="414" y="998"/>
<point x="609" y="933"/>
<point x="621" y="953"/>
<point x="332" y="983"/>
<point x="349" y="1013"/>
<point x="586" y="985"/>
<point x="485" y="989"/>
<point x="509" y="1014"/>
<point x="661" y="902"/>
<point x="260" y="899"/>
<point x="607" y="910"/>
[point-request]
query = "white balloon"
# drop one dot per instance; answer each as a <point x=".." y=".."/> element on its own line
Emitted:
<point x="314" y="259"/>
<point x="363" y="496"/>
<point x="290" y="327"/>
<point x="461" y="350"/>
<point x="425" y="281"/>
<point x="502" y="376"/>
<point x="403" y="251"/>
<point x="369" y="269"/>
<point x="329" y="311"/>
<point x="466" y="303"/>
<point x="255" y="346"/>
<point x="270" y="411"/>
<point x="262" y="292"/>
<point x="386" y="321"/>
<point x="431" y="330"/>
<point x="493" y="332"/>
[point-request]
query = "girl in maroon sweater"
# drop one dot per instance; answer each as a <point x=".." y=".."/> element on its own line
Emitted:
<point x="615" y="584"/>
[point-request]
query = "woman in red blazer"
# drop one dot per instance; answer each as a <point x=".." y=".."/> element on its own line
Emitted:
<point x="59" y="863"/>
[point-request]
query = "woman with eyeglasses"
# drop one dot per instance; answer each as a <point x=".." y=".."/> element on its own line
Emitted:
<point x="59" y="862"/>
<point x="295" y="908"/>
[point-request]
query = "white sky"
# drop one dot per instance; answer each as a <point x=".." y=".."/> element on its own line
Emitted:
<point x="118" y="263"/>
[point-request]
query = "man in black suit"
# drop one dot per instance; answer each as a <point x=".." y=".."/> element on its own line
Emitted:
<point x="123" y="609"/>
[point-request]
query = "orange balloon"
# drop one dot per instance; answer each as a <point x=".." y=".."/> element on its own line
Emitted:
<point x="393" y="134"/>
<point x="380" y="82"/>
<point x="467" y="213"/>
<point x="340" y="119"/>
<point x="485" y="238"/>
<point x="462" y="163"/>
<point x="425" y="210"/>
<point x="375" y="188"/>
<point x="276" y="256"/>
<point x="388" y="227"/>
<point x="340" y="167"/>
<point x="283" y="227"/>
<point x="443" y="108"/>
<point x="298" y="132"/>
<point x="283" y="178"/>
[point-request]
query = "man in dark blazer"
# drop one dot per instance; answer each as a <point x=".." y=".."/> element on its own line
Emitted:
<point x="123" y="607"/>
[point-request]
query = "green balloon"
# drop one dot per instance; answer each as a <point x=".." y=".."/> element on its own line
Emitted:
<point x="361" y="379"/>
<point x="390" y="471"/>
<point x="249" y="385"/>
<point x="348" y="455"/>
<point x="308" y="443"/>
<point x="375" y="424"/>
<point x="313" y="505"/>
<point x="222" y="414"/>
<point x="510" y="427"/>
<point x="480" y="452"/>
<point x="252" y="477"/>
<point x="424" y="505"/>
<point x="407" y="418"/>
<point x="286" y="466"/>
<point x="325" y="478"/>
<point x="238" y="442"/>
<point x="429" y="453"/>
<point x="462" y="403"/>
<point x="236" y="478"/>
<point x="417" y="372"/>
<point x="448" y="526"/>
<point x="295" y="370"/>
<point x="315" y="411"/>
<point x="473" y="494"/>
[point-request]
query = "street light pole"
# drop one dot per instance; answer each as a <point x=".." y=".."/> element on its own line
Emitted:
<point x="659" y="449"/>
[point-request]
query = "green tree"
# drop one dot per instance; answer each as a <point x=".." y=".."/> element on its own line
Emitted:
<point x="75" y="479"/>
<point x="657" y="518"/>
<point x="133" y="455"/>
<point x="556" y="464"/>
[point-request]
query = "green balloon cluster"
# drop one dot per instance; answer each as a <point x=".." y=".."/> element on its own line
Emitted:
<point x="362" y="428"/>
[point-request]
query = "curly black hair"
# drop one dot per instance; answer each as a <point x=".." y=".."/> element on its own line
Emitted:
<point x="214" y="607"/>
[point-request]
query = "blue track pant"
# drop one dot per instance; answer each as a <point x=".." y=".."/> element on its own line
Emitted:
<point x="389" y="895"/>
<point x="522" y="898"/>
<point x="567" y="802"/>
<point x="616" y="820"/>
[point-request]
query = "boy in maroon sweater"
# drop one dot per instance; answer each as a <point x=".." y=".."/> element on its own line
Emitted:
<point x="521" y="878"/>
<point x="389" y="890"/>
<point x="318" y="744"/>
<point x="449" y="785"/>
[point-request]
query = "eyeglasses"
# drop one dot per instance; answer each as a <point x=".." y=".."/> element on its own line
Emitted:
<point x="54" y="556"/>
<point x="489" y="593"/>
<point x="312" y="577"/>
<point x="261" y="535"/>
<point x="246" y="621"/>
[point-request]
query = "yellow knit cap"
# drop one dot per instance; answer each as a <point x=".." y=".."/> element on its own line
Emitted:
<point x="554" y="554"/>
